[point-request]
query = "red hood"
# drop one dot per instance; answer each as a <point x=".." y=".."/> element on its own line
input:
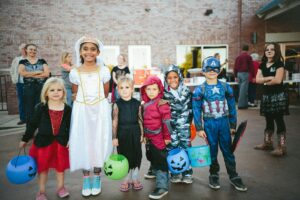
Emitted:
<point x="150" y="81"/>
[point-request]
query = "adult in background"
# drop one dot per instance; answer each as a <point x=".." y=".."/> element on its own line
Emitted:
<point x="252" y="81"/>
<point x="35" y="71"/>
<point x="120" y="70"/>
<point x="18" y="80"/>
<point x="242" y="67"/>
<point x="222" y="73"/>
<point x="274" y="102"/>
<point x="66" y="66"/>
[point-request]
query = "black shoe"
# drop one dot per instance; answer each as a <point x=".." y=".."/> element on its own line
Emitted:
<point x="214" y="182"/>
<point x="187" y="179"/>
<point x="21" y="122"/>
<point x="175" y="178"/>
<point x="238" y="184"/>
<point x="158" y="193"/>
<point x="150" y="174"/>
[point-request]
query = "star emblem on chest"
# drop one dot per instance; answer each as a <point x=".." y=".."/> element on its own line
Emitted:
<point x="215" y="90"/>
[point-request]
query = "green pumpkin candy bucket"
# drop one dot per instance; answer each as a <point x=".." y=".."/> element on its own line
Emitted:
<point x="116" y="167"/>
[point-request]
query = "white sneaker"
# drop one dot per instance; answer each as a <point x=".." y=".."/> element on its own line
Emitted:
<point x="96" y="189"/>
<point x="86" y="187"/>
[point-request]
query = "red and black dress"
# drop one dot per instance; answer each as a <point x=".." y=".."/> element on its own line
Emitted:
<point x="54" y="155"/>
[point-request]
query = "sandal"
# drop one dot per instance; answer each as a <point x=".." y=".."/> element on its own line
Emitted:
<point x="125" y="187"/>
<point x="137" y="185"/>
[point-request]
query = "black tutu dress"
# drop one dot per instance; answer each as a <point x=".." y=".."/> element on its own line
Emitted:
<point x="129" y="132"/>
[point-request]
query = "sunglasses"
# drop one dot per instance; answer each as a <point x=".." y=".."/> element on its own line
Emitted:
<point x="212" y="69"/>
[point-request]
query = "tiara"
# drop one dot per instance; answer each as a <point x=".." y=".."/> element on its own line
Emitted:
<point x="86" y="39"/>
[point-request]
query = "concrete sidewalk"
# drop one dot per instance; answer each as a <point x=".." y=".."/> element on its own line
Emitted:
<point x="8" y="124"/>
<point x="266" y="177"/>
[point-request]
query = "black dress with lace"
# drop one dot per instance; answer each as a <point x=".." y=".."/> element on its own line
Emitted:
<point x="274" y="98"/>
<point x="129" y="132"/>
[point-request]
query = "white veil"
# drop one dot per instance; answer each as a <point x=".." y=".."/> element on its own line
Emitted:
<point x="77" y="50"/>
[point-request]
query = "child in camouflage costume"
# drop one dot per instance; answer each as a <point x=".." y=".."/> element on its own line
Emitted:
<point x="180" y="99"/>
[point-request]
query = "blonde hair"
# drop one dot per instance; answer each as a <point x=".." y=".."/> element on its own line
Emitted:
<point x="64" y="56"/>
<point x="123" y="57"/>
<point x="48" y="83"/>
<point x="125" y="79"/>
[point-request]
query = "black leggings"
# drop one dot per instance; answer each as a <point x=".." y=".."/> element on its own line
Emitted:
<point x="278" y="118"/>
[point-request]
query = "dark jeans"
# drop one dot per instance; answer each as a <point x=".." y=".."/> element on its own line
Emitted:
<point x="252" y="92"/>
<point x="278" y="118"/>
<point x="243" y="78"/>
<point x="32" y="93"/>
<point x="20" y="94"/>
<point x="158" y="159"/>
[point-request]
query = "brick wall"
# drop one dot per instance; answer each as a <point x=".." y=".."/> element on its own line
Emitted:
<point x="55" y="25"/>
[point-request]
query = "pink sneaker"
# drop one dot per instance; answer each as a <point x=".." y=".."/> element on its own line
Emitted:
<point x="41" y="196"/>
<point x="62" y="192"/>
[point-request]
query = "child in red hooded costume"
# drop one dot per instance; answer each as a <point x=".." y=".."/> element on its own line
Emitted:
<point x="157" y="130"/>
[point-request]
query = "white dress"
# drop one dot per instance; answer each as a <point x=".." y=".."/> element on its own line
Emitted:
<point x="91" y="128"/>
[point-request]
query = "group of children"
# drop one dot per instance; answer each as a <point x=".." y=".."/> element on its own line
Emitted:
<point x="84" y="138"/>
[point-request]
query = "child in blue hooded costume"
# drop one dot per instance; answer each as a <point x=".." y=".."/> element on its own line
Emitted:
<point x="214" y="103"/>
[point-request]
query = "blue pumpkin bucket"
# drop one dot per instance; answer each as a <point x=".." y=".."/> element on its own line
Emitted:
<point x="178" y="161"/>
<point x="21" y="169"/>
<point x="199" y="155"/>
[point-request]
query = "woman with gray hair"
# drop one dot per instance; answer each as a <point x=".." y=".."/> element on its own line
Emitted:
<point x="252" y="81"/>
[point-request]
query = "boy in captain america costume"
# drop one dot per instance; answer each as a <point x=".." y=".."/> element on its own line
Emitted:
<point x="214" y="103"/>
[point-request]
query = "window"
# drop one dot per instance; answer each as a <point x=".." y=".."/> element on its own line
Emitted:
<point x="206" y="50"/>
<point x="139" y="57"/>
<point x="110" y="55"/>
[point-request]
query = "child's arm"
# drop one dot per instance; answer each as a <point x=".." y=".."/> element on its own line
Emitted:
<point x="197" y="108"/>
<point x="189" y="105"/>
<point x="114" y="77"/>
<point x="115" y="124"/>
<point x="32" y="126"/>
<point x="166" y="122"/>
<point x="74" y="91"/>
<point x="68" y="121"/>
<point x="231" y="107"/>
<point x="141" y="124"/>
<point x="278" y="77"/>
<point x="106" y="89"/>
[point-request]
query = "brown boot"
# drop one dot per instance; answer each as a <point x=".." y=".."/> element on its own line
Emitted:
<point x="281" y="149"/>
<point x="268" y="142"/>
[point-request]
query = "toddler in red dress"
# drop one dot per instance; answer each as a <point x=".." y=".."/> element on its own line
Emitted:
<point x="50" y="146"/>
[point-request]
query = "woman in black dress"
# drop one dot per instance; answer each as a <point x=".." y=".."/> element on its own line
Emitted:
<point x="128" y="131"/>
<point x="274" y="102"/>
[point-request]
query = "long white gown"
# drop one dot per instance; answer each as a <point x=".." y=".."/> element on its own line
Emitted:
<point x="91" y="128"/>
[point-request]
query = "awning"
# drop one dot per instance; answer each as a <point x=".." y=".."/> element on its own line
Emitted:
<point x="276" y="7"/>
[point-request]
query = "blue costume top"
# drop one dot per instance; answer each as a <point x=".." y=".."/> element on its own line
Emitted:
<point x="215" y="101"/>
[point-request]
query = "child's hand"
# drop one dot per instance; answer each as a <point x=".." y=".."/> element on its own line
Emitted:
<point x="201" y="134"/>
<point x="22" y="144"/>
<point x="232" y="131"/>
<point x="167" y="142"/>
<point x="74" y="96"/>
<point x="162" y="102"/>
<point x="143" y="140"/>
<point x="115" y="142"/>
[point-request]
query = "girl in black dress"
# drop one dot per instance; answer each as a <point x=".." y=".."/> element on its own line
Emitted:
<point x="274" y="102"/>
<point x="128" y="132"/>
